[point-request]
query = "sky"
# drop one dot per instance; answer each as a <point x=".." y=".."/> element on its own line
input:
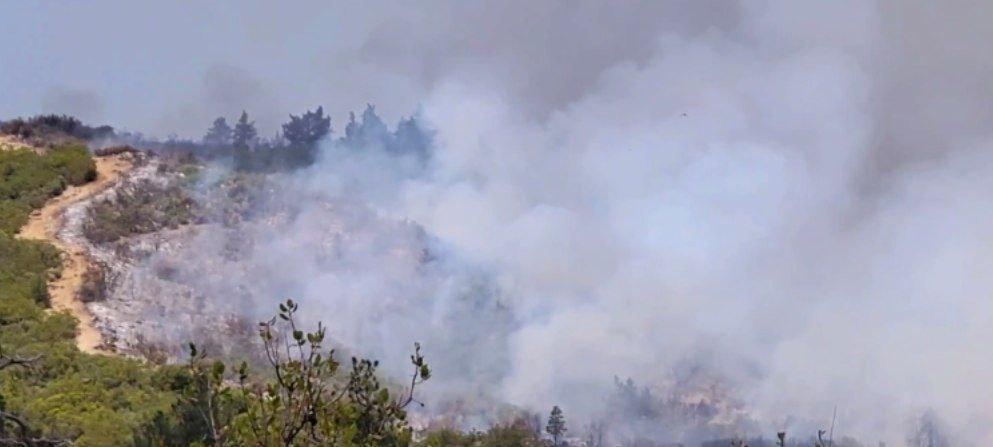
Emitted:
<point x="171" y="67"/>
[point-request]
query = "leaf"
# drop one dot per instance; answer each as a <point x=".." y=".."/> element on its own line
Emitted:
<point x="217" y="369"/>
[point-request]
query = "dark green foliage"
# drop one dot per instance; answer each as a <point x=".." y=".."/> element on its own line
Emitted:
<point x="219" y="134"/>
<point x="306" y="401"/>
<point x="28" y="179"/>
<point x="13" y="215"/>
<point x="516" y="434"/>
<point x="26" y="182"/>
<point x="52" y="126"/>
<point x="73" y="163"/>
<point x="24" y="267"/>
<point x="64" y="394"/>
<point x="303" y="133"/>
<point x="556" y="425"/>
<point x="307" y="129"/>
<point x="299" y="143"/>
<point x="244" y="135"/>
<point x="447" y="437"/>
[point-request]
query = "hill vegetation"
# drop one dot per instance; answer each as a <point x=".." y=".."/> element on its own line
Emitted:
<point x="47" y="130"/>
<point x="51" y="393"/>
<point x="28" y="179"/>
<point x="50" y="390"/>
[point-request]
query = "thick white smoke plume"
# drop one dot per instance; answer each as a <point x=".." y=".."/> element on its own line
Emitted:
<point x="793" y="197"/>
<point x="720" y="205"/>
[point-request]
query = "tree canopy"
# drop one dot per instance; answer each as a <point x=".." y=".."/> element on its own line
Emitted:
<point x="556" y="426"/>
<point x="308" y="128"/>
<point x="244" y="135"/>
<point x="219" y="134"/>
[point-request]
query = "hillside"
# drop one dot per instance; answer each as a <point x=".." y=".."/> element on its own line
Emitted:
<point x="71" y="218"/>
<point x="46" y="223"/>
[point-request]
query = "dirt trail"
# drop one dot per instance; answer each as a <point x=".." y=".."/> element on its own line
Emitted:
<point x="45" y="224"/>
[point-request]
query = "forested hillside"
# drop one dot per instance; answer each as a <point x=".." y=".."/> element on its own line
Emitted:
<point x="51" y="393"/>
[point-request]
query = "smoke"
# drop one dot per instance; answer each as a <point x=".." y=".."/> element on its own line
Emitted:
<point x="789" y="196"/>
<point x="761" y="202"/>
<point x="225" y="90"/>
<point x="82" y="104"/>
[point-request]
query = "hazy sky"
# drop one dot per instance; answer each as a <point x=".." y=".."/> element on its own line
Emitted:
<point x="172" y="66"/>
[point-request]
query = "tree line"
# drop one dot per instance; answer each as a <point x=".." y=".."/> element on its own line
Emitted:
<point x="298" y="142"/>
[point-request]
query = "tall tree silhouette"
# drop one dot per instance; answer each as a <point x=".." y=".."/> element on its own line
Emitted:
<point x="556" y="426"/>
<point x="308" y="128"/>
<point x="219" y="133"/>
<point x="245" y="134"/>
<point x="303" y="133"/>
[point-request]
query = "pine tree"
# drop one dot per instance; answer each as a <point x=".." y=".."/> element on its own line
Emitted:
<point x="244" y="132"/>
<point x="410" y="138"/>
<point x="303" y="133"/>
<point x="308" y="128"/>
<point x="219" y="133"/>
<point x="370" y="133"/>
<point x="556" y="426"/>
<point x="352" y="128"/>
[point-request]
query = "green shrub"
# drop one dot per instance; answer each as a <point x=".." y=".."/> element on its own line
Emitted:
<point x="28" y="180"/>
<point x="13" y="215"/>
<point x="516" y="434"/>
<point x="73" y="163"/>
<point x="25" y="175"/>
<point x="24" y="268"/>
<point x="53" y="127"/>
<point x="66" y="394"/>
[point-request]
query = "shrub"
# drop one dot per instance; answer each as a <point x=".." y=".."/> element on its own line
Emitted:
<point x="28" y="179"/>
<point x="53" y="126"/>
<point x="114" y="150"/>
<point x="73" y="163"/>
<point x="146" y="208"/>
<point x="92" y="400"/>
<point x="93" y="286"/>
<point x="515" y="434"/>
<point x="303" y="401"/>
<point x="13" y="215"/>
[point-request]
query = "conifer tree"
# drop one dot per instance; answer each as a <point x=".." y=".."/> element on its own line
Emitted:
<point x="219" y="133"/>
<point x="308" y="128"/>
<point x="244" y="132"/>
<point x="556" y="426"/>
